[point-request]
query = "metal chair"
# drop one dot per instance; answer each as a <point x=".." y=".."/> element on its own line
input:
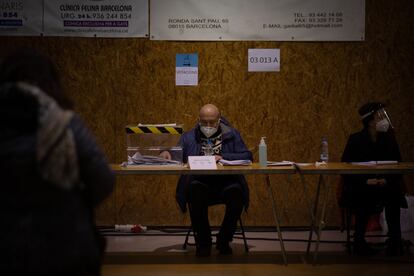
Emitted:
<point x="246" y="247"/>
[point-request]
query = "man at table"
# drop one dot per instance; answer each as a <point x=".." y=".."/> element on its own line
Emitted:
<point x="213" y="136"/>
<point x="368" y="194"/>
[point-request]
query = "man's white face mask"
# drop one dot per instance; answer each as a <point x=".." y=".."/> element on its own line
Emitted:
<point x="382" y="126"/>
<point x="208" y="131"/>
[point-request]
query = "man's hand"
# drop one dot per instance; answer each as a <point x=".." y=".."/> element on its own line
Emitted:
<point x="166" y="155"/>
<point x="382" y="182"/>
<point x="374" y="182"/>
<point x="218" y="157"/>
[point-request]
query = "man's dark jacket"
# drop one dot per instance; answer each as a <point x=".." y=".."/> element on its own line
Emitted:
<point x="233" y="148"/>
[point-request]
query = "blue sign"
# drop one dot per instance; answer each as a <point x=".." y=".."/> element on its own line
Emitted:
<point x="186" y="60"/>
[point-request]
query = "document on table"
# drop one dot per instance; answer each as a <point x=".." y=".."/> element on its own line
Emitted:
<point x="158" y="125"/>
<point x="234" y="162"/>
<point x="375" y="163"/>
<point x="282" y="163"/>
<point x="139" y="159"/>
<point x="202" y="162"/>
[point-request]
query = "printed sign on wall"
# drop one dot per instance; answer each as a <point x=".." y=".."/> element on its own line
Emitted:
<point x="186" y="69"/>
<point x="264" y="60"/>
<point x="282" y="20"/>
<point x="21" y="17"/>
<point x="102" y="18"/>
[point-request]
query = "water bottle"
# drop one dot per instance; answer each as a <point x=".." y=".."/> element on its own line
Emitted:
<point x="324" y="150"/>
<point x="262" y="153"/>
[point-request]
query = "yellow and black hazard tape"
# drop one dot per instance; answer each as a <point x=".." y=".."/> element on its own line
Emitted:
<point x="154" y="129"/>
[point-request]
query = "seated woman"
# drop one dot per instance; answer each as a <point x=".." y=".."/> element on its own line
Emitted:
<point x="369" y="194"/>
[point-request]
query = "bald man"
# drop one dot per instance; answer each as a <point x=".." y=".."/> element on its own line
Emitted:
<point x="213" y="135"/>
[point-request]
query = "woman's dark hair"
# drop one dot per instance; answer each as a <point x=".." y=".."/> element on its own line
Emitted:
<point x="369" y="108"/>
<point x="18" y="111"/>
<point x="34" y="68"/>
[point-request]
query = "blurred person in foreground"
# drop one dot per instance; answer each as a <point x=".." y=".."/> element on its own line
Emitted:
<point x="53" y="174"/>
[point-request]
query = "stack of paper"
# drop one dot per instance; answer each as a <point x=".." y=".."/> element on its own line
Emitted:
<point x="374" y="163"/>
<point x="159" y="125"/>
<point x="138" y="159"/>
<point x="282" y="163"/>
<point x="235" y="162"/>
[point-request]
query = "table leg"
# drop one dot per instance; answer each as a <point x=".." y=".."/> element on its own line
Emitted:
<point x="115" y="208"/>
<point x="322" y="219"/>
<point x="312" y="212"/>
<point x="276" y="218"/>
<point x="286" y="196"/>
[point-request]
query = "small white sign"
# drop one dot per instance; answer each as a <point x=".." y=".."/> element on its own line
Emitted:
<point x="186" y="69"/>
<point x="264" y="60"/>
<point x="202" y="162"/>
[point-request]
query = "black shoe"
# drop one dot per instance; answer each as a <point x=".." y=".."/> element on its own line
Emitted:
<point x="203" y="251"/>
<point x="362" y="248"/>
<point x="224" y="248"/>
<point x="394" y="248"/>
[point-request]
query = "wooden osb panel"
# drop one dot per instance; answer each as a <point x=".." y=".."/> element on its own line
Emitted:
<point x="115" y="82"/>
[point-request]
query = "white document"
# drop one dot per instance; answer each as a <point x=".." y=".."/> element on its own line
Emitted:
<point x="304" y="164"/>
<point x="158" y="125"/>
<point x="202" y="162"/>
<point x="374" y="163"/>
<point x="282" y="163"/>
<point x="186" y="76"/>
<point x="235" y="162"/>
<point x="264" y="60"/>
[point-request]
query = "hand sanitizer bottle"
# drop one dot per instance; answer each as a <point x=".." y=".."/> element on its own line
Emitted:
<point x="262" y="153"/>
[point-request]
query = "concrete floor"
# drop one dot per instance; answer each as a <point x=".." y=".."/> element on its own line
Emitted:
<point x="259" y="270"/>
<point x="155" y="253"/>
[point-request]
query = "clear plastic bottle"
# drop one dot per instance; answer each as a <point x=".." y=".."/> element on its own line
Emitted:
<point x="324" y="150"/>
<point x="262" y="152"/>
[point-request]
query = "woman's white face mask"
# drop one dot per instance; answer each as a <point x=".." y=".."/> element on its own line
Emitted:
<point x="208" y="131"/>
<point x="382" y="126"/>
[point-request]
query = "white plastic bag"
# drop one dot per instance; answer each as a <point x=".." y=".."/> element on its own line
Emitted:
<point x="406" y="217"/>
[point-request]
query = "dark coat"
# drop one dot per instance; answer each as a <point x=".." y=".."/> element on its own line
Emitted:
<point x="360" y="148"/>
<point x="233" y="148"/>
<point x="46" y="229"/>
